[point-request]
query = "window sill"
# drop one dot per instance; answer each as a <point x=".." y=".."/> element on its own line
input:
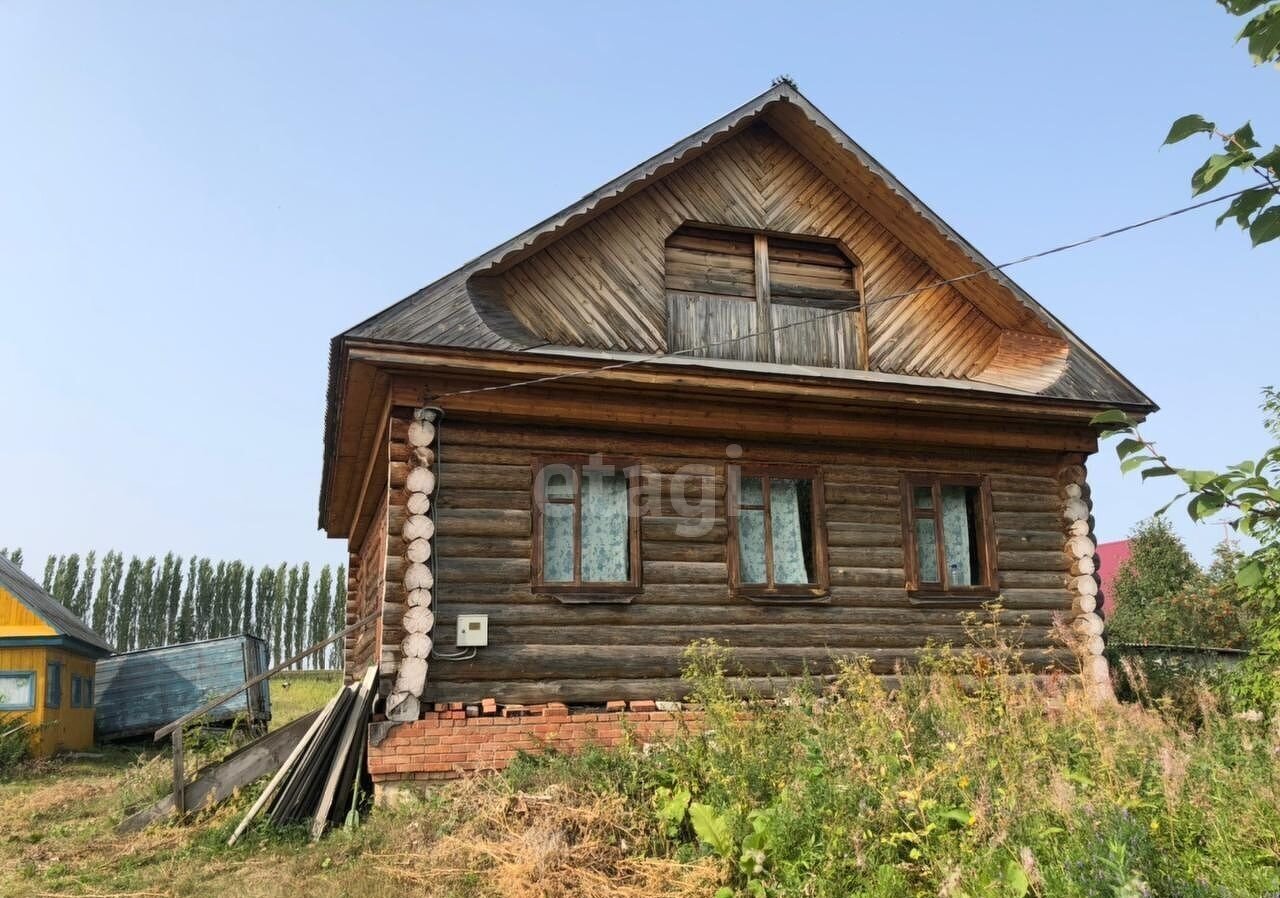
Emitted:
<point x="590" y="596"/>
<point x="955" y="597"/>
<point x="771" y="597"/>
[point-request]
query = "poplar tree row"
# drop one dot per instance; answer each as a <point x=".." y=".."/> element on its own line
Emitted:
<point x="144" y="603"/>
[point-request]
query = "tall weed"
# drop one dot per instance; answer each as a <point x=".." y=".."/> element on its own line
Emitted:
<point x="971" y="777"/>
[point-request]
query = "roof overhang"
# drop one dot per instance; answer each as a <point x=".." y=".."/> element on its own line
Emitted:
<point x="371" y="374"/>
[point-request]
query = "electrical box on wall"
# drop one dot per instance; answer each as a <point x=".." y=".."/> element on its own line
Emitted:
<point x="473" y="630"/>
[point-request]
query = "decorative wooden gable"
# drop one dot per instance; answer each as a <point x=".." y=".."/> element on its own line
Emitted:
<point x="750" y="252"/>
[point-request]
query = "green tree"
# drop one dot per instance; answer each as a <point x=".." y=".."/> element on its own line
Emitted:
<point x="127" y="615"/>
<point x="321" y="610"/>
<point x="1248" y="495"/>
<point x="1158" y="568"/>
<point x="279" y="614"/>
<point x="287" y="613"/>
<point x="104" y="606"/>
<point x="1158" y="565"/>
<point x="205" y="599"/>
<point x="66" y="578"/>
<point x="14" y="555"/>
<point x="218" y="615"/>
<point x="265" y="606"/>
<point x="338" y="616"/>
<point x="172" y="598"/>
<point x="187" y="616"/>
<point x="1255" y="209"/>
<point x="148" y="635"/>
<point x="83" y="599"/>
<point x="300" y="641"/>
<point x="50" y="568"/>
<point x="246" y="594"/>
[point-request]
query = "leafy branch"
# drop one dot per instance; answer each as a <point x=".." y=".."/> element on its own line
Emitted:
<point x="1249" y="489"/>
<point x="1255" y="209"/>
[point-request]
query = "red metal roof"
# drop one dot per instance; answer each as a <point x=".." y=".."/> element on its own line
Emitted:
<point x="1110" y="557"/>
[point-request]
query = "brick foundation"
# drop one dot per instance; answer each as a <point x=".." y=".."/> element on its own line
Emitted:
<point x="455" y="740"/>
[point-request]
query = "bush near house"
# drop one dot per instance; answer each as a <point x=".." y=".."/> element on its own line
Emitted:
<point x="951" y="785"/>
<point x="1164" y="598"/>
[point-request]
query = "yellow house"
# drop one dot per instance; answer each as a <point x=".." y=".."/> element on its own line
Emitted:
<point x="47" y="661"/>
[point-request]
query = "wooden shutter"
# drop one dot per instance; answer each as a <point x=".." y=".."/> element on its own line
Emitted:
<point x="809" y="284"/>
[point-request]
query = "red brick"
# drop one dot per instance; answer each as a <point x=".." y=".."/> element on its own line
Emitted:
<point x="643" y="705"/>
<point x="489" y="706"/>
<point x="615" y="706"/>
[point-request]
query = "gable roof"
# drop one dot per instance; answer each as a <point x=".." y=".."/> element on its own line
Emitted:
<point x="32" y="595"/>
<point x="462" y="311"/>
<point x="449" y="313"/>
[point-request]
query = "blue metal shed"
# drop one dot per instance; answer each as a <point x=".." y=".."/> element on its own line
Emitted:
<point x="139" y="692"/>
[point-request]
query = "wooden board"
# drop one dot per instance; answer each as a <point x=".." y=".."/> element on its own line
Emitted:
<point x="217" y="783"/>
<point x="608" y="284"/>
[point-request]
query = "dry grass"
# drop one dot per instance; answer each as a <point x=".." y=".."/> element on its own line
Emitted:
<point x="476" y="838"/>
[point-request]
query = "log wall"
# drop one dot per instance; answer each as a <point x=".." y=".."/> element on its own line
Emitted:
<point x="366" y="581"/>
<point x="541" y="649"/>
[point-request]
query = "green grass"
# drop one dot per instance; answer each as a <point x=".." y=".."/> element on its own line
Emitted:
<point x="951" y="785"/>
<point x="294" y="693"/>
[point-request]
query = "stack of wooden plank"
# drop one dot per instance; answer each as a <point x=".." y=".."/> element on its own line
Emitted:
<point x="322" y="777"/>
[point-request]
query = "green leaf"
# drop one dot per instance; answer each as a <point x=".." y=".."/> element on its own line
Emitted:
<point x="673" y="804"/>
<point x="1204" y="505"/>
<point x="1186" y="126"/>
<point x="1130" y="464"/>
<point x="1197" y="479"/>
<point x="1271" y="160"/>
<point x="1263" y="35"/>
<point x="1215" y="168"/>
<point x="1129" y="446"/>
<point x="711" y="828"/>
<point x="1157" y="471"/>
<point x="958" y="815"/>
<point x="1266" y="226"/>
<point x="1243" y="137"/>
<point x="1247" y="203"/>
<point x="1110" y="416"/>
<point x="1016" y="879"/>
<point x="723" y="892"/>
<point x="1240" y="7"/>
<point x="1249" y="574"/>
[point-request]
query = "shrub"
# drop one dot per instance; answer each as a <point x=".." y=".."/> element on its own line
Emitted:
<point x="15" y="744"/>
<point x="970" y="778"/>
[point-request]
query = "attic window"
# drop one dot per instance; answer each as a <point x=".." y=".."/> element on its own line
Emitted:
<point x="763" y="297"/>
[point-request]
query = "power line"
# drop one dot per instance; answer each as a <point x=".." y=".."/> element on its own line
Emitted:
<point x="1075" y="244"/>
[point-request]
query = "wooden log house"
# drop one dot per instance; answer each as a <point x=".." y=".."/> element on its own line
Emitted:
<point x="752" y="390"/>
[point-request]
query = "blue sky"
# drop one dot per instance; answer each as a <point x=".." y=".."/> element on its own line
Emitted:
<point x="195" y="197"/>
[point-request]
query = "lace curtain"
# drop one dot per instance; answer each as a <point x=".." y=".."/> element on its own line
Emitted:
<point x="751" y="532"/>
<point x="957" y="539"/>
<point x="605" y="538"/>
<point x="788" y="544"/>
<point x="605" y="530"/>
<point x="787" y="520"/>
<point x="17" y="690"/>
